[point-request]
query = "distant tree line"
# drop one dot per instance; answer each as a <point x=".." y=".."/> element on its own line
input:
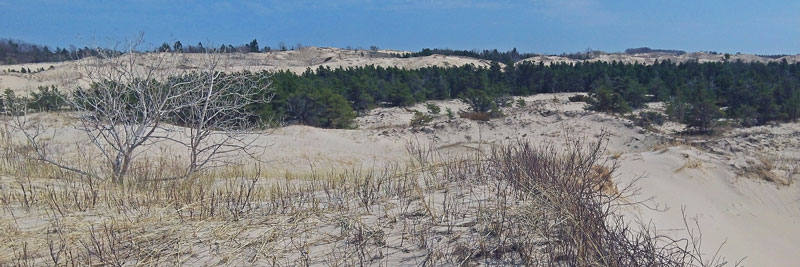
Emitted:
<point x="698" y="94"/>
<point x="508" y="57"/>
<point x="251" y="47"/>
<point x="642" y="50"/>
<point x="772" y="56"/>
<point x="19" y="52"/>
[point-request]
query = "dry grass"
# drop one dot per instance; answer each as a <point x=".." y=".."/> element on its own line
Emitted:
<point x="476" y="116"/>
<point x="516" y="205"/>
<point x="763" y="169"/>
<point x="691" y="163"/>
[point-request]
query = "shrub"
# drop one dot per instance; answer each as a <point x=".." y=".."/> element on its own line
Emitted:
<point x="649" y="118"/>
<point x="450" y="114"/>
<point x="578" y="98"/>
<point x="495" y="112"/>
<point x="420" y="119"/>
<point x="521" y="103"/>
<point x="47" y="99"/>
<point x="504" y="101"/>
<point x="433" y="108"/>
<point x="478" y="100"/>
<point x="606" y="100"/>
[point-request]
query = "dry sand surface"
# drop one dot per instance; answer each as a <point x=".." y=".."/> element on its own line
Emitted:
<point x="66" y="74"/>
<point x="650" y="58"/>
<point x="741" y="186"/>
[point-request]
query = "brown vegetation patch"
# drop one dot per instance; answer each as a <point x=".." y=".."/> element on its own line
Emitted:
<point x="476" y="116"/>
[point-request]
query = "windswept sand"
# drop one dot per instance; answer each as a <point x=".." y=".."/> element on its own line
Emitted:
<point x="65" y="75"/>
<point x="650" y="58"/>
<point x="712" y="179"/>
<point x="742" y="186"/>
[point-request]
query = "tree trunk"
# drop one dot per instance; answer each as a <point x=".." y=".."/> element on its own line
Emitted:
<point x="120" y="167"/>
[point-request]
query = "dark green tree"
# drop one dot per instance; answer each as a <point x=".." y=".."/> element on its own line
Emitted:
<point x="177" y="47"/>
<point x="164" y="48"/>
<point x="253" y="46"/>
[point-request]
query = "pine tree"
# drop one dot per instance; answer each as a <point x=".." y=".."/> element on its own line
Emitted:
<point x="177" y="47"/>
<point x="703" y="112"/>
<point x="164" y="48"/>
<point x="253" y="46"/>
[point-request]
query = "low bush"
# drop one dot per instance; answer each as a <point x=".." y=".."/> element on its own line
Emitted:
<point x="450" y="114"/>
<point x="578" y="98"/>
<point x="420" y="119"/>
<point x="649" y="118"/>
<point x="521" y="103"/>
<point x="433" y="108"/>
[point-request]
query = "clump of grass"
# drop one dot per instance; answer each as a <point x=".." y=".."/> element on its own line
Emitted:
<point x="763" y="169"/>
<point x="518" y="204"/>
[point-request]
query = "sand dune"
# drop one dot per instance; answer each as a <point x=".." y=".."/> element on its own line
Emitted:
<point x="741" y="186"/>
<point x="650" y="58"/>
<point x="66" y="74"/>
<point x="753" y="217"/>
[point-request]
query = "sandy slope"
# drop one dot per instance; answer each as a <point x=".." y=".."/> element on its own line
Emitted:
<point x="65" y="74"/>
<point x="719" y="180"/>
<point x="759" y="220"/>
<point x="650" y="58"/>
<point x="753" y="217"/>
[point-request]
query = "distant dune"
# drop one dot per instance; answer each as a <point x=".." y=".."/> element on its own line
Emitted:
<point x="66" y="74"/>
<point x="650" y="58"/>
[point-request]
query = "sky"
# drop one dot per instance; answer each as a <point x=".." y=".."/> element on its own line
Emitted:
<point x="538" y="26"/>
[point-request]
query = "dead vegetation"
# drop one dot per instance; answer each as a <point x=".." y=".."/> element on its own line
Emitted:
<point x="763" y="169"/>
<point x="516" y="204"/>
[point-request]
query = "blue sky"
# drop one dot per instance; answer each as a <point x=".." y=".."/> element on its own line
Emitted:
<point x="543" y="26"/>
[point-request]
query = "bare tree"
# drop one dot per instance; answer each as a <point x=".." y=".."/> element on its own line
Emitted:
<point x="216" y="113"/>
<point x="128" y="101"/>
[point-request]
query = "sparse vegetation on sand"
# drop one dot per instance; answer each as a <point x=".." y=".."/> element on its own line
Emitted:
<point x="154" y="160"/>
<point x="517" y="204"/>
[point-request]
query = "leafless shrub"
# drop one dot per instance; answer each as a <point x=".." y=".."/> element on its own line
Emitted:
<point x="215" y="113"/>
<point x="131" y="98"/>
<point x="571" y="213"/>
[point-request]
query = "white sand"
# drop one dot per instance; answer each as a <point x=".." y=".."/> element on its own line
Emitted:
<point x="66" y="74"/>
<point x="710" y="178"/>
<point x="650" y="58"/>
<point x="755" y="218"/>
